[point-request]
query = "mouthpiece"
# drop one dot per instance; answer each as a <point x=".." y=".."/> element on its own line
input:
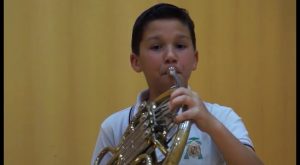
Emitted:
<point x="172" y="72"/>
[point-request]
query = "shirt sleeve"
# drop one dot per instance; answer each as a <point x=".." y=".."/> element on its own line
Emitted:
<point x="110" y="134"/>
<point x="103" y="140"/>
<point x="237" y="127"/>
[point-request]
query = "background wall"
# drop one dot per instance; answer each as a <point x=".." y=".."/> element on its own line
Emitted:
<point x="66" y="68"/>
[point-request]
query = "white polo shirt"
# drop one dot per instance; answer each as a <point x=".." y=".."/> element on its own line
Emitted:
<point x="199" y="149"/>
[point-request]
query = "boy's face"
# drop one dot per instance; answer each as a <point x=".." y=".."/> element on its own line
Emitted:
<point x="165" y="43"/>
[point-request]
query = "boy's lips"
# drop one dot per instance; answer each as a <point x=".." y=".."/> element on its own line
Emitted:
<point x="166" y="71"/>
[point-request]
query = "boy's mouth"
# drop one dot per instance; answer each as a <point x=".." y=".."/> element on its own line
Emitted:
<point x="166" y="71"/>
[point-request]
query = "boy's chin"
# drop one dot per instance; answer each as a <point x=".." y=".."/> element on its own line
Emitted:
<point x="166" y="85"/>
<point x="170" y="82"/>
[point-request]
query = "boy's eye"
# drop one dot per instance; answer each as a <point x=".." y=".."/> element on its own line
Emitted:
<point x="155" y="47"/>
<point x="180" y="46"/>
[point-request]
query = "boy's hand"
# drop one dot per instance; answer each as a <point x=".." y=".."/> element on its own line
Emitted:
<point x="196" y="111"/>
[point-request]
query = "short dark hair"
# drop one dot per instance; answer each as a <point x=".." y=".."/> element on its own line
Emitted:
<point x="160" y="11"/>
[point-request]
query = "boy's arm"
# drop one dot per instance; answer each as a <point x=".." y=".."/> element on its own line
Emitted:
<point x="234" y="152"/>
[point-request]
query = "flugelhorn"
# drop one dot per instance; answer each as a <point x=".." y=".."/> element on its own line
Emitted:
<point x="151" y="129"/>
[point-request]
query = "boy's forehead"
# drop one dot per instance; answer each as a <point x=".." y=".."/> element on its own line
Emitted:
<point x="164" y="23"/>
<point x="154" y="29"/>
<point x="158" y="37"/>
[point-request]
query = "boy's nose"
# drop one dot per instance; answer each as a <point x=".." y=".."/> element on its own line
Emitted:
<point x="170" y="57"/>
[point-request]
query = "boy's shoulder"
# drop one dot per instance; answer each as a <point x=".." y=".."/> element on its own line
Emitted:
<point x="116" y="119"/>
<point x="215" y="107"/>
<point x="221" y="112"/>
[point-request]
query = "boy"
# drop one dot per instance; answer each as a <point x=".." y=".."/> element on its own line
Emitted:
<point x="164" y="36"/>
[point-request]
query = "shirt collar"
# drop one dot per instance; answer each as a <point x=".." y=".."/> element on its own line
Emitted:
<point x="142" y="96"/>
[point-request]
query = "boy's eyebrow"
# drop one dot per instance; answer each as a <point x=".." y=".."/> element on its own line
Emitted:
<point x="183" y="36"/>
<point x="152" y="38"/>
<point x="157" y="37"/>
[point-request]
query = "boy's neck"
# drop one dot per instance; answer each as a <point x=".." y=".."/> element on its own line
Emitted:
<point x="153" y="95"/>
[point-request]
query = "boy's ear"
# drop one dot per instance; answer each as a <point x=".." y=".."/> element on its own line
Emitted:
<point x="195" y="61"/>
<point x="135" y="62"/>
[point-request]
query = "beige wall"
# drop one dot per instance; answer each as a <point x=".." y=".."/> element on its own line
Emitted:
<point x="66" y="68"/>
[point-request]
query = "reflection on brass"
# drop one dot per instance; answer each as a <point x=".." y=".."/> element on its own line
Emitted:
<point x="152" y="128"/>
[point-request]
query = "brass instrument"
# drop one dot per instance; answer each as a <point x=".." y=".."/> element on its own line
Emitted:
<point x="152" y="128"/>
